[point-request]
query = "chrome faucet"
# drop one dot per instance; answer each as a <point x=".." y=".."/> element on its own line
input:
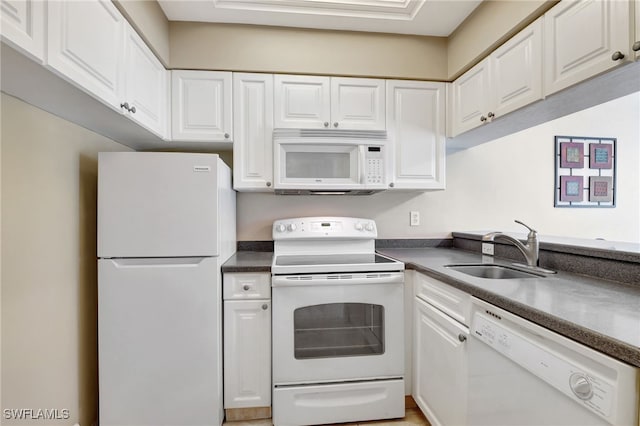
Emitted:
<point x="529" y="250"/>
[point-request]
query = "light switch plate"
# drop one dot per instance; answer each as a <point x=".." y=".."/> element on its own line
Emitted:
<point x="487" y="248"/>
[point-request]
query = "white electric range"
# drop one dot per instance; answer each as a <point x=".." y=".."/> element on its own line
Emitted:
<point x="338" y="323"/>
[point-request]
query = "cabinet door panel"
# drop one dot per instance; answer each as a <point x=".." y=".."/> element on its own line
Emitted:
<point x="247" y="353"/>
<point x="22" y="25"/>
<point x="440" y="366"/>
<point x="580" y="37"/>
<point x="471" y="93"/>
<point x="201" y="106"/>
<point x="357" y="103"/>
<point x="636" y="38"/>
<point x="85" y="45"/>
<point x="146" y="85"/>
<point x="516" y="69"/>
<point x="253" y="145"/>
<point x="302" y="101"/>
<point x="416" y="127"/>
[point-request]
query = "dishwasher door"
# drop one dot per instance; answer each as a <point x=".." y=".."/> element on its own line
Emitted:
<point x="523" y="374"/>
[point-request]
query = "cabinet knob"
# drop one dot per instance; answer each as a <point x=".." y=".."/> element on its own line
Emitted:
<point x="335" y="124"/>
<point x="391" y="185"/>
<point x="246" y="287"/>
<point x="268" y="183"/>
<point x="483" y="118"/>
<point x="636" y="46"/>
<point x="617" y="56"/>
<point x="265" y="307"/>
<point x="326" y="124"/>
<point x="491" y="115"/>
<point x="462" y="337"/>
<point x="132" y="109"/>
<point x="226" y="135"/>
<point x="125" y="105"/>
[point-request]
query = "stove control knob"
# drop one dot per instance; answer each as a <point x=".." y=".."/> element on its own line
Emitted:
<point x="291" y="227"/>
<point x="581" y="386"/>
<point x="358" y="226"/>
<point x="369" y="227"/>
<point x="280" y="228"/>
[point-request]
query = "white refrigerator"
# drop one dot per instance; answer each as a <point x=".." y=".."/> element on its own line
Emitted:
<point x="166" y="222"/>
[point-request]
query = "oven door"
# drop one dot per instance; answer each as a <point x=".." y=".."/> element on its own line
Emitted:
<point x="337" y="327"/>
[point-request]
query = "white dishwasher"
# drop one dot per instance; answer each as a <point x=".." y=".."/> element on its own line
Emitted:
<point x="523" y="374"/>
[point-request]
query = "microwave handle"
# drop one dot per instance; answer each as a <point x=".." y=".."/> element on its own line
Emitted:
<point x="362" y="163"/>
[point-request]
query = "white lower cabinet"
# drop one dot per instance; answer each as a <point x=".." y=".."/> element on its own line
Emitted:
<point x="247" y="340"/>
<point x="440" y="360"/>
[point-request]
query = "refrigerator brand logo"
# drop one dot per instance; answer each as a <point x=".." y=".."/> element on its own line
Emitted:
<point x="202" y="168"/>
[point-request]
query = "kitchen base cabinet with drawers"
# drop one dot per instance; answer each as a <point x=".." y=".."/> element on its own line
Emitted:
<point x="440" y="351"/>
<point x="247" y="345"/>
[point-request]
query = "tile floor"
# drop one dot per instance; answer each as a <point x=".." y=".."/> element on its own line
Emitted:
<point x="413" y="417"/>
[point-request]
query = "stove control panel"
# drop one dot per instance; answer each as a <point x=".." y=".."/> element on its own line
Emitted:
<point x="324" y="227"/>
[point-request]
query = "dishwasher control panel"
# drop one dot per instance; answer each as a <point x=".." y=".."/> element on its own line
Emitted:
<point x="555" y="368"/>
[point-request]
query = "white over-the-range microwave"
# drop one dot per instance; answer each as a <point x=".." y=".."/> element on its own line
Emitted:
<point x="329" y="162"/>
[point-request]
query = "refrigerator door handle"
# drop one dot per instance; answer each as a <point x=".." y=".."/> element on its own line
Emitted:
<point x="155" y="262"/>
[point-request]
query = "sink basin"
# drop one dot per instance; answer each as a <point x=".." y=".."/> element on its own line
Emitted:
<point x="494" y="272"/>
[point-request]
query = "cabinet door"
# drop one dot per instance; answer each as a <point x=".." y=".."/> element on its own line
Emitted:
<point x="440" y="366"/>
<point x="247" y="353"/>
<point x="357" y="103"/>
<point x="302" y="101"/>
<point x="201" y="106"/>
<point x="85" y="45"/>
<point x="471" y="93"/>
<point x="253" y="132"/>
<point x="636" y="39"/>
<point x="146" y="85"/>
<point x="22" y="26"/>
<point x="516" y="71"/>
<point x="580" y="39"/>
<point x="416" y="128"/>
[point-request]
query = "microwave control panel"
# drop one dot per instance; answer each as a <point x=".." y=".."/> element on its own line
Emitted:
<point x="374" y="165"/>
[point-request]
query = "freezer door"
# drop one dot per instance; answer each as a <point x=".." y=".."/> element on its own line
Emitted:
<point x="159" y="342"/>
<point x="153" y="204"/>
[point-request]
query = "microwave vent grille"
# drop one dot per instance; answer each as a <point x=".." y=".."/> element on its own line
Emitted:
<point x="372" y="135"/>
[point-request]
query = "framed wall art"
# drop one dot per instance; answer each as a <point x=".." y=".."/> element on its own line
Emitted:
<point x="585" y="171"/>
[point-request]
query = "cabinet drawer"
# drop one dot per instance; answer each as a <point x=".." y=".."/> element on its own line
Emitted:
<point x="246" y="286"/>
<point x="448" y="299"/>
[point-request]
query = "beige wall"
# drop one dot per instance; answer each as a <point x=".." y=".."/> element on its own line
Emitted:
<point x="292" y="50"/>
<point x="488" y="187"/>
<point x="149" y="20"/>
<point x="49" y="268"/>
<point x="490" y="25"/>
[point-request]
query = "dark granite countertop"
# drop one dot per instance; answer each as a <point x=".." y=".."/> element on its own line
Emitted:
<point x="249" y="261"/>
<point x="604" y="315"/>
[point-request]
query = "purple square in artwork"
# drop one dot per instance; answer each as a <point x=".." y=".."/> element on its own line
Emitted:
<point x="600" y="156"/>
<point x="571" y="155"/>
<point x="571" y="188"/>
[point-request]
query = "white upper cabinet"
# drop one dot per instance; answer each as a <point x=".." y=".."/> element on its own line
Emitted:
<point x="201" y="106"/>
<point x="584" y="38"/>
<point x="416" y="130"/>
<point x="357" y="103"/>
<point x="253" y="132"/>
<point x="85" y="45"/>
<point x="510" y="78"/>
<point x="22" y="26"/>
<point x="516" y="71"/>
<point x="329" y="102"/>
<point x="302" y="101"/>
<point x="146" y="85"/>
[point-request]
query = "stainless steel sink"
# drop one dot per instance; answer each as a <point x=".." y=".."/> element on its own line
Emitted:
<point x="494" y="272"/>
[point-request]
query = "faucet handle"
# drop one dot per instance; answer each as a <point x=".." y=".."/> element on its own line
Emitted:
<point x="526" y="226"/>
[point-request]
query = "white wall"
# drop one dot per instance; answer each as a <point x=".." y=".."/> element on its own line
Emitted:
<point x="49" y="268"/>
<point x="488" y="186"/>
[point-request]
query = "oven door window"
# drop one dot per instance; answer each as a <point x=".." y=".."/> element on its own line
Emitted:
<point x="338" y="329"/>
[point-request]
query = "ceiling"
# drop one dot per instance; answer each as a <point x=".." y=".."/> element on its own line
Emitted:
<point x="421" y="17"/>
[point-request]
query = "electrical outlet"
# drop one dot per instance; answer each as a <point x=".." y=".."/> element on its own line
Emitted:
<point x="487" y="248"/>
<point x="414" y="218"/>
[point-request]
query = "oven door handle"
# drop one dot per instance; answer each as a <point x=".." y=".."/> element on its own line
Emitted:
<point x="337" y="279"/>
